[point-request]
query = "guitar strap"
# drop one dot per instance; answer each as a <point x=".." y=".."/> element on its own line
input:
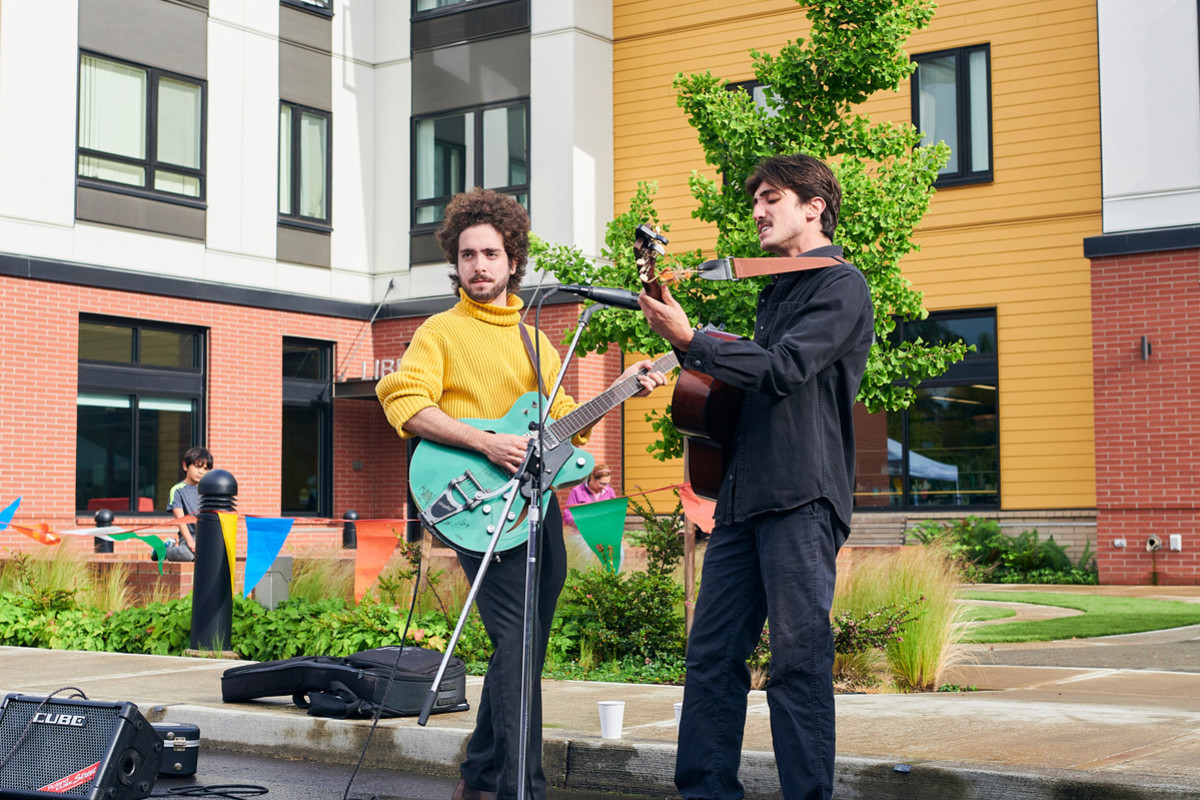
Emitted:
<point x="751" y="267"/>
<point x="532" y="357"/>
<point x="728" y="269"/>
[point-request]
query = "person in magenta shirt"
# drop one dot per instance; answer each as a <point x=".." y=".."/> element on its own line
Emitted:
<point x="597" y="487"/>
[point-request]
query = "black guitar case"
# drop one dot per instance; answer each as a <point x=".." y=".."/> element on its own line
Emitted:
<point x="353" y="686"/>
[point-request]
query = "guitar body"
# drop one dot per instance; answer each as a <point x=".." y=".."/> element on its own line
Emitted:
<point x="706" y="411"/>
<point x="440" y="476"/>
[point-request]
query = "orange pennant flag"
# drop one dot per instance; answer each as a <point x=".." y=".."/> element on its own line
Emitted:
<point x="39" y="532"/>
<point x="697" y="509"/>
<point x="377" y="540"/>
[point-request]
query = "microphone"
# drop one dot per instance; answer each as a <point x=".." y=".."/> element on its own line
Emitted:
<point x="621" y="298"/>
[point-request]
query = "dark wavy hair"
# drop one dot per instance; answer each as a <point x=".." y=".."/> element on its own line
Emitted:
<point x="808" y="177"/>
<point x="486" y="207"/>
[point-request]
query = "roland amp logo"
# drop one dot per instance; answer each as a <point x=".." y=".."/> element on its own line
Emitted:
<point x="67" y="720"/>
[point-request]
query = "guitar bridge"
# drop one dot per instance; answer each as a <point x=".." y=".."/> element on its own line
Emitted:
<point x="464" y="493"/>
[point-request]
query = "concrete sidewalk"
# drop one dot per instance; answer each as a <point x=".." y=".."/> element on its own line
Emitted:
<point x="1092" y="718"/>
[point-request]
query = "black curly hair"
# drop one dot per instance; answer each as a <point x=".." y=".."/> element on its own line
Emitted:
<point x="486" y="207"/>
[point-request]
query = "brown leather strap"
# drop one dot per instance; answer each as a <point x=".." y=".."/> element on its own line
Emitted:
<point x="753" y="267"/>
<point x="532" y="357"/>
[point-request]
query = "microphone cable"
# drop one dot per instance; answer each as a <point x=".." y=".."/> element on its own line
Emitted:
<point x="387" y="687"/>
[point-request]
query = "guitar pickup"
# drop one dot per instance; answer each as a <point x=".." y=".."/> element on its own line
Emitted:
<point x="464" y="493"/>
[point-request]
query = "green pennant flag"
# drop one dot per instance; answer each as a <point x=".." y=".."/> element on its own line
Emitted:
<point x="158" y="545"/>
<point x="602" y="525"/>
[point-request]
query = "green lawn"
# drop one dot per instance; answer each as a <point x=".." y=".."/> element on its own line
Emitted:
<point x="973" y="613"/>
<point x="1102" y="616"/>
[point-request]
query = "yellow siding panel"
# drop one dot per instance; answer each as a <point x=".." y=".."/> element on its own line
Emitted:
<point x="1014" y="244"/>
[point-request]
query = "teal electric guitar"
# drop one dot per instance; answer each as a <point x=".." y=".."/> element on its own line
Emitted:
<point x="461" y="495"/>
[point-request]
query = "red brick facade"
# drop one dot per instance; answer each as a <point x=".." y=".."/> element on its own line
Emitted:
<point x="1147" y="415"/>
<point x="39" y="322"/>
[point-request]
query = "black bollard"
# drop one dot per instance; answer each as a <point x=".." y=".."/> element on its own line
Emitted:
<point x="350" y="530"/>
<point x="212" y="598"/>
<point x="103" y="518"/>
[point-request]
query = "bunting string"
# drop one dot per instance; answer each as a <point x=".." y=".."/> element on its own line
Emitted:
<point x="601" y="524"/>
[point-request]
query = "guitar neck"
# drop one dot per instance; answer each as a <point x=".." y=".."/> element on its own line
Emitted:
<point x="590" y="412"/>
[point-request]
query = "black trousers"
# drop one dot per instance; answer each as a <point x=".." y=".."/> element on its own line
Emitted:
<point x="782" y="566"/>
<point x="492" y="751"/>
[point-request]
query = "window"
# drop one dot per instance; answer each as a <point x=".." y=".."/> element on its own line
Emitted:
<point x="486" y="147"/>
<point x="944" y="449"/>
<point x="324" y="7"/>
<point x="305" y="168"/>
<point x="306" y="451"/>
<point x="140" y="128"/>
<point x="759" y="92"/>
<point x="139" y="408"/>
<point x="952" y="103"/>
<point x="434" y="5"/>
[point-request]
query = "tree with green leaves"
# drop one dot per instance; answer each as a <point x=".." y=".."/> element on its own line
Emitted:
<point x="813" y="89"/>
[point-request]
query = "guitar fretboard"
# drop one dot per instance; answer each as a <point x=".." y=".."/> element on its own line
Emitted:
<point x="590" y="412"/>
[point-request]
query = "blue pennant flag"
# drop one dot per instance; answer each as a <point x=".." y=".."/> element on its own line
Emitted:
<point x="264" y="540"/>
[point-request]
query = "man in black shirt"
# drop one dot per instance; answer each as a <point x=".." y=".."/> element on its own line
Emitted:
<point x="784" y="506"/>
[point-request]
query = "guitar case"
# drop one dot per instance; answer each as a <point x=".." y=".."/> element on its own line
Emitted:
<point x="353" y="686"/>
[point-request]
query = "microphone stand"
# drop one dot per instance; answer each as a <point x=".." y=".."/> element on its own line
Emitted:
<point x="532" y="566"/>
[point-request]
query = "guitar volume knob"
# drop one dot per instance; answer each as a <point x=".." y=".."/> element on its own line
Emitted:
<point x="486" y="509"/>
<point x="579" y="462"/>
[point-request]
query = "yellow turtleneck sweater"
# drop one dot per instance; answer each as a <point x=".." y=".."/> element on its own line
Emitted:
<point x="470" y="362"/>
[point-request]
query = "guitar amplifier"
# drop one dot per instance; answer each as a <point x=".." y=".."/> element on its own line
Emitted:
<point x="55" y="748"/>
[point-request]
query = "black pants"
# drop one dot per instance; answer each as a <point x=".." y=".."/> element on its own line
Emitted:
<point x="780" y="566"/>
<point x="492" y="752"/>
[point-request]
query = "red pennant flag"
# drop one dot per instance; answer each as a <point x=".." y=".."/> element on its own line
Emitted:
<point x="377" y="540"/>
<point x="697" y="509"/>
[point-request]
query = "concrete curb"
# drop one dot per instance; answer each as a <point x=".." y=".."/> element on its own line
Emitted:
<point x="879" y="779"/>
<point x="588" y="764"/>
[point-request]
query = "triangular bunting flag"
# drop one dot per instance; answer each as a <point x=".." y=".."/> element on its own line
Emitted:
<point x="602" y="525"/>
<point x="377" y="540"/>
<point x="264" y="540"/>
<point x="156" y="544"/>
<point x="229" y="530"/>
<point x="697" y="509"/>
<point x="6" y="516"/>
<point x="38" y="531"/>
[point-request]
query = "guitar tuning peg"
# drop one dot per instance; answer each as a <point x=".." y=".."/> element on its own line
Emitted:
<point x="641" y="262"/>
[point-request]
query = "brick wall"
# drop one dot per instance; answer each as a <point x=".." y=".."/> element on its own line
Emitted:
<point x="1147" y="414"/>
<point x="244" y="413"/>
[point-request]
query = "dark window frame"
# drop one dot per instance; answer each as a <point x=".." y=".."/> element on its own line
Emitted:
<point x="322" y="8"/>
<point x="451" y="9"/>
<point x="150" y="163"/>
<point x="310" y="393"/>
<point x="297" y="220"/>
<point x="135" y="380"/>
<point x="964" y="175"/>
<point x="974" y="368"/>
<point x="475" y="178"/>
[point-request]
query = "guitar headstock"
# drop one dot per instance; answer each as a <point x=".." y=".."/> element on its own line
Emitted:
<point x="647" y="247"/>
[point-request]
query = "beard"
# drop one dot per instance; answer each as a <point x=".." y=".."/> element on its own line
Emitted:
<point x="484" y="293"/>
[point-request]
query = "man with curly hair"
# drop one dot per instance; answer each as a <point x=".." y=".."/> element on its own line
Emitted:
<point x="471" y="362"/>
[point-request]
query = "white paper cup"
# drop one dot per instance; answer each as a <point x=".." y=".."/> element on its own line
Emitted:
<point x="612" y="716"/>
<point x="678" y="713"/>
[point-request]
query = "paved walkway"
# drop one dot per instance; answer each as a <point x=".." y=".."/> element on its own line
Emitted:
<point x="1105" y="718"/>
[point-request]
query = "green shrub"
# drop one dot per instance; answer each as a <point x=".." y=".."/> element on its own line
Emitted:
<point x="988" y="554"/>
<point x="612" y="616"/>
